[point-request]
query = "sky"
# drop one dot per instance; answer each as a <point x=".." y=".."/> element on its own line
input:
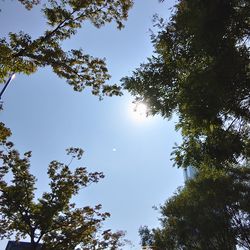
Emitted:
<point x="47" y="116"/>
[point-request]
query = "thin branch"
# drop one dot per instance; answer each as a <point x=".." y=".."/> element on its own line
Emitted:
<point x="61" y="25"/>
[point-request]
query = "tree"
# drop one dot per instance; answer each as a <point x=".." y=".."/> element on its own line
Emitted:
<point x="29" y="3"/>
<point x="4" y="132"/>
<point x="210" y="212"/>
<point x="20" y="53"/>
<point x="52" y="219"/>
<point x="200" y="70"/>
<point x="146" y="237"/>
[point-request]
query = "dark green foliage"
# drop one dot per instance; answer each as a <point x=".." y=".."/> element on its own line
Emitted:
<point x="20" y="53"/>
<point x="211" y="212"/>
<point x="201" y="71"/>
<point x="29" y="3"/>
<point x="4" y="132"/>
<point x="52" y="219"/>
<point x="146" y="236"/>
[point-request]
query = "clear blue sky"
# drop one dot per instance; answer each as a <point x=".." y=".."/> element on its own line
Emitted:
<point x="47" y="116"/>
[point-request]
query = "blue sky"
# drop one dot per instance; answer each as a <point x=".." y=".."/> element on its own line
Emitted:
<point x="47" y="116"/>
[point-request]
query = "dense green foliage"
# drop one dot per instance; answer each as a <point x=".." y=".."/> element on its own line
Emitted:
<point x="20" y="53"/>
<point x="200" y="70"/>
<point x="211" y="212"/>
<point x="52" y="219"/>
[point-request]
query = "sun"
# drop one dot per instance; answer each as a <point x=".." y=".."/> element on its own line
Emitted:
<point x="138" y="111"/>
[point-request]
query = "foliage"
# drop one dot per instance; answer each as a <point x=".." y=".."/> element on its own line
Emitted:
<point x="200" y="70"/>
<point x="210" y="212"/>
<point x="29" y="3"/>
<point x="4" y="132"/>
<point x="146" y="236"/>
<point x="20" y="53"/>
<point x="52" y="219"/>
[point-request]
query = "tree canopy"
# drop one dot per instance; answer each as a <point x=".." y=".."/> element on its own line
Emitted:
<point x="29" y="4"/>
<point x="210" y="212"/>
<point x="20" y="53"/>
<point x="200" y="70"/>
<point x="53" y="219"/>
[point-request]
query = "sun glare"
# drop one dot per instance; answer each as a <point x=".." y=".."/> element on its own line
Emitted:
<point x="138" y="111"/>
<point x="13" y="76"/>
